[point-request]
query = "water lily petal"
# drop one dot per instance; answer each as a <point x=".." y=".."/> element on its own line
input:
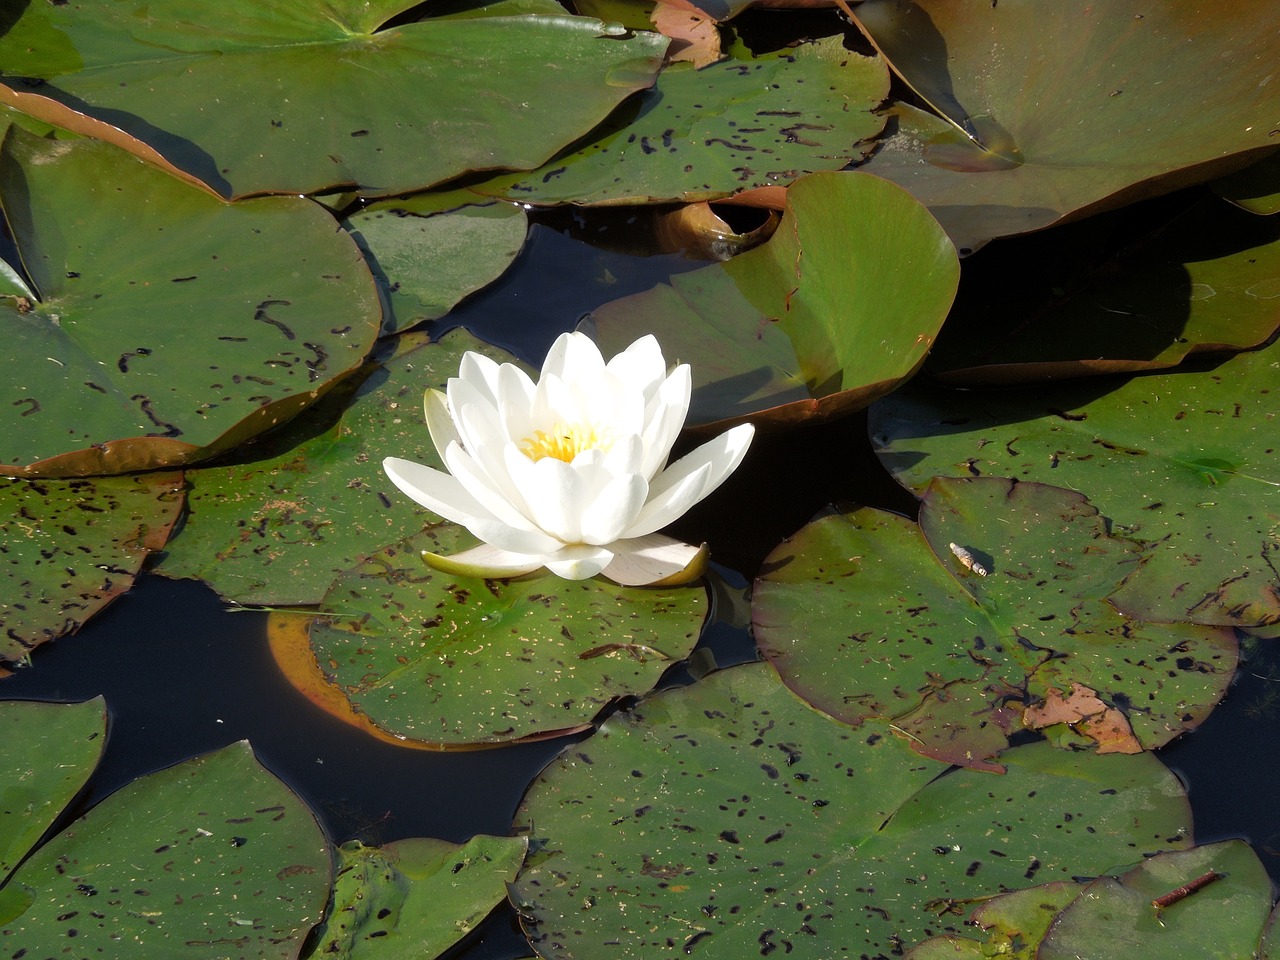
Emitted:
<point x="573" y="357"/>
<point x="486" y="442"/>
<point x="496" y="503"/>
<point x="655" y="560"/>
<point x="579" y="561"/>
<point x="554" y="492"/>
<point x="482" y="373"/>
<point x="513" y="539"/>
<point x="624" y="457"/>
<point x="664" y="419"/>
<point x="435" y="408"/>
<point x="436" y="490"/>
<point x="515" y="401"/>
<point x="723" y="454"/>
<point x="614" y="508"/>
<point x="463" y="394"/>
<point x="671" y="503"/>
<point x="641" y="365"/>
<point x="484" y="560"/>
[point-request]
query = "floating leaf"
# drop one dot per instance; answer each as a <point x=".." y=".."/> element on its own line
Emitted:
<point x="458" y="660"/>
<point x="786" y="327"/>
<point x="1014" y="924"/>
<point x="727" y="818"/>
<point x="1255" y="188"/>
<point x="170" y="325"/>
<point x="47" y="752"/>
<point x="1053" y="111"/>
<point x="418" y="896"/>
<point x="70" y="547"/>
<point x="867" y="615"/>
<point x="737" y="125"/>
<point x="1222" y="920"/>
<point x="212" y="855"/>
<point x="431" y="250"/>
<point x="1183" y="460"/>
<point x="1209" y="280"/>
<point x="279" y="529"/>
<point x="279" y="97"/>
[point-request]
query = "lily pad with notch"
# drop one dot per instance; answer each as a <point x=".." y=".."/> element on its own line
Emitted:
<point x="996" y="604"/>
<point x="728" y="817"/>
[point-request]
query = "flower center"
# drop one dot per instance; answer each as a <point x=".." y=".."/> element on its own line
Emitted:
<point x="564" y="441"/>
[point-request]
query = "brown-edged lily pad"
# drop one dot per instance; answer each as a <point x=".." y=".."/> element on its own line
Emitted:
<point x="998" y="599"/>
<point x="70" y="547"/>
<point x="168" y="325"/>
<point x="1049" y="110"/>
<point x="463" y="661"/>
<point x="829" y="314"/>
<point x="254" y="98"/>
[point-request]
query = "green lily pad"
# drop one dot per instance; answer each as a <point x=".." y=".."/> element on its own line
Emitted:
<point x="728" y="818"/>
<point x="739" y="124"/>
<point x="210" y="856"/>
<point x="170" y="326"/>
<point x="417" y="896"/>
<point x="1014" y="925"/>
<point x="1052" y="111"/>
<point x="47" y="752"/>
<point x="459" y="661"/>
<point x="1255" y="188"/>
<point x="782" y="332"/>
<point x="70" y="547"/>
<point x="431" y="250"/>
<point x="1183" y="460"/>
<point x="997" y="601"/>
<point x="282" y="97"/>
<point x="278" y="529"/>
<point x="1115" y="916"/>
<point x="1207" y="281"/>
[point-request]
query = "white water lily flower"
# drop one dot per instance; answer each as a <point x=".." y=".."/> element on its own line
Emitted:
<point x="568" y="473"/>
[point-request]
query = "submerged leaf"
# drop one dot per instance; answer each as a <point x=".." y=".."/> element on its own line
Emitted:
<point x="1054" y="111"/>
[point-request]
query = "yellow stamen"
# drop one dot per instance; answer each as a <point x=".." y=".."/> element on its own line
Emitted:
<point x="564" y="442"/>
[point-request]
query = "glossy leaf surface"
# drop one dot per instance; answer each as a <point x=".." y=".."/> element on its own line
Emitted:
<point x="1053" y="111"/>
<point x="458" y="660"/>
<point x="70" y="547"/>
<point x="996" y="601"/>
<point x="431" y="250"/>
<point x="783" y="331"/>
<point x="210" y="854"/>
<point x="739" y="124"/>
<point x="1184" y="460"/>
<point x="279" y="528"/>
<point x="417" y="896"/>
<point x="727" y="817"/>
<point x="289" y="97"/>
<point x="170" y="326"/>
<point x="47" y="752"/>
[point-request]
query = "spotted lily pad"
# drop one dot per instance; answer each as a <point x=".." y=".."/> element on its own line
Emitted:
<point x="169" y="325"/>
<point x="70" y="547"/>
<point x="781" y="332"/>
<point x="47" y="752"/>
<point x="279" y="97"/>
<point x="1183" y="460"/>
<point x="996" y="601"/>
<point x="315" y="501"/>
<point x="739" y="124"/>
<point x="211" y="855"/>
<point x="417" y="896"/>
<point x="1048" y="111"/>
<point x="431" y="250"/>
<point x="457" y="660"/>
<point x="1013" y="924"/>
<point x="726" y="819"/>
<point x="1209" y="280"/>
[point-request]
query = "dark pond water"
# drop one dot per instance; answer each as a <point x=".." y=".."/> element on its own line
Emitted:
<point x="182" y="675"/>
